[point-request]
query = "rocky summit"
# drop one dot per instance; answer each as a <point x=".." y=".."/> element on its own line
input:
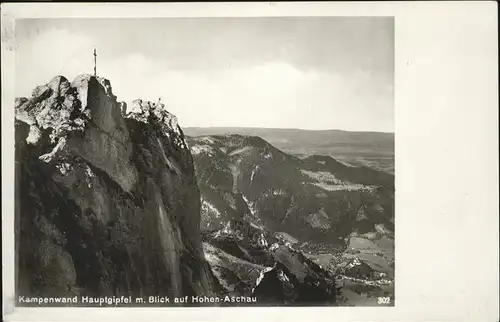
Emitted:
<point x="107" y="199"/>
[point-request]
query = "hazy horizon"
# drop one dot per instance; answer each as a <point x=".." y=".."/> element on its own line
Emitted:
<point x="310" y="73"/>
<point x="281" y="128"/>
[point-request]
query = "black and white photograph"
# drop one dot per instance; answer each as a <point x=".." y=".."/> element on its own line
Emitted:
<point x="215" y="161"/>
<point x="197" y="161"/>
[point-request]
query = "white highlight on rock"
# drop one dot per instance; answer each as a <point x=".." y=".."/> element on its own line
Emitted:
<point x="355" y="262"/>
<point x="199" y="149"/>
<point x="34" y="135"/>
<point x="90" y="174"/>
<point x="250" y="205"/>
<point x="319" y="220"/>
<point x="274" y="247"/>
<point x="206" y="207"/>
<point x="241" y="150"/>
<point x="261" y="276"/>
<point x="144" y="111"/>
<point x="282" y="276"/>
<point x="262" y="241"/>
<point x="205" y="139"/>
<point x="64" y="168"/>
<point x="322" y="176"/>
<point x="327" y="181"/>
<point x="268" y="156"/>
<point x="255" y="169"/>
<point x="275" y="192"/>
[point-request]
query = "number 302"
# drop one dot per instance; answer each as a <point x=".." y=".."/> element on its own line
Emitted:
<point x="383" y="300"/>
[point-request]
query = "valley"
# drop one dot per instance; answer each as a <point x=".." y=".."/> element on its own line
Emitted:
<point x="260" y="205"/>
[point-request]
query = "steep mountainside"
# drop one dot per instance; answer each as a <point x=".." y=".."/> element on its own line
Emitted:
<point x="372" y="149"/>
<point x="339" y="216"/>
<point x="250" y="261"/>
<point x="107" y="200"/>
<point x="316" y="198"/>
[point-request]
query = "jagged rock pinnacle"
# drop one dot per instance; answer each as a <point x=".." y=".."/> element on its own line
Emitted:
<point x="109" y="203"/>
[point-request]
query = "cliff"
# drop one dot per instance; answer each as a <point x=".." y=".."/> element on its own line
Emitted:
<point x="107" y="200"/>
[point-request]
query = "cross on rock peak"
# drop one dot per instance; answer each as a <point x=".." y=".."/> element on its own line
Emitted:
<point x="95" y="63"/>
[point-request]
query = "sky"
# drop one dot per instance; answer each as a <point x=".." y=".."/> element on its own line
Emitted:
<point x="276" y="72"/>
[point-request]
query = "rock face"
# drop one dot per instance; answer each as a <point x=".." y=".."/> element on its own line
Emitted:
<point x="279" y="285"/>
<point x="250" y="261"/>
<point x="107" y="200"/>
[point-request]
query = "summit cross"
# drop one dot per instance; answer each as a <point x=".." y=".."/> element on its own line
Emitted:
<point x="95" y="63"/>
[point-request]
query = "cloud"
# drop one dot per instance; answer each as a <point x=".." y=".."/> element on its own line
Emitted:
<point x="50" y="53"/>
<point x="271" y="94"/>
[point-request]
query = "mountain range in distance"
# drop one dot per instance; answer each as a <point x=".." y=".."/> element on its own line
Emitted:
<point x="355" y="148"/>
<point x="256" y="197"/>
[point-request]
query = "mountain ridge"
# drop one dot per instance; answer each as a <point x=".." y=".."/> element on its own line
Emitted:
<point x="316" y="205"/>
<point x="371" y="149"/>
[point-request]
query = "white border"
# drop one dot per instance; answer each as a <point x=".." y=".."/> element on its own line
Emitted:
<point x="446" y="160"/>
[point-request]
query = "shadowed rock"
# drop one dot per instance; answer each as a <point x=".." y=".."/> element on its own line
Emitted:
<point x="106" y="203"/>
